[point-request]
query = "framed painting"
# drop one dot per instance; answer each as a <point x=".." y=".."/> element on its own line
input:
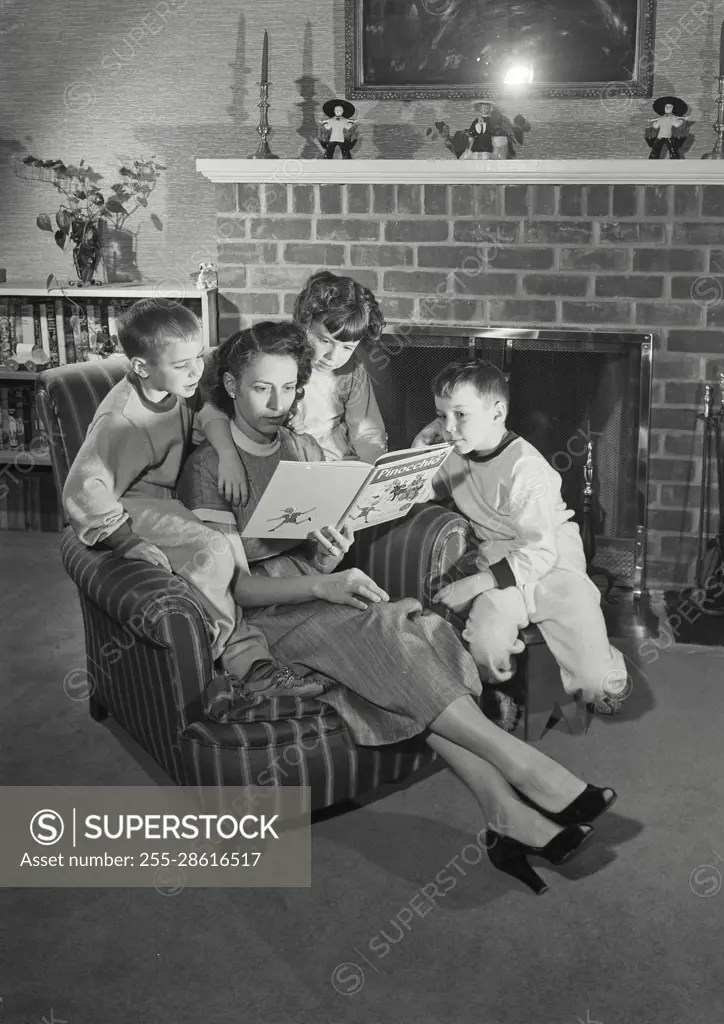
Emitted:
<point x="481" y="49"/>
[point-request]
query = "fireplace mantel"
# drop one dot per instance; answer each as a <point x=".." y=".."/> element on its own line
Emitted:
<point x="292" y="171"/>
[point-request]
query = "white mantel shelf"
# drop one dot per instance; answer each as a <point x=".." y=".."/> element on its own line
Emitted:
<point x="292" y="171"/>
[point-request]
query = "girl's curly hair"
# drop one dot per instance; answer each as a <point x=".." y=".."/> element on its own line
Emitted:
<point x="347" y="310"/>
<point x="237" y="352"/>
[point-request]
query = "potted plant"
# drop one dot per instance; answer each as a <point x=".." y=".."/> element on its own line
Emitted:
<point x="87" y="215"/>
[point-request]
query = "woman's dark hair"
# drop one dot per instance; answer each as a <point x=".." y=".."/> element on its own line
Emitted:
<point x="346" y="308"/>
<point x="238" y="351"/>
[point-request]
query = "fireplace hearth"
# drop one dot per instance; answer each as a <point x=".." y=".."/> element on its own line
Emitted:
<point x="576" y="396"/>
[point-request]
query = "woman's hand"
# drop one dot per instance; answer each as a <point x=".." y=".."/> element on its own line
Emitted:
<point x="349" y="587"/>
<point x="331" y="546"/>
<point x="431" y="434"/>
<point x="231" y="482"/>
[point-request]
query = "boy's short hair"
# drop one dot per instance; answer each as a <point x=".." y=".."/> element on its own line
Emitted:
<point x="485" y="377"/>
<point x="149" y="324"/>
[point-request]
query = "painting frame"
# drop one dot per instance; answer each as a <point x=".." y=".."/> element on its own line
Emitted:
<point x="639" y="86"/>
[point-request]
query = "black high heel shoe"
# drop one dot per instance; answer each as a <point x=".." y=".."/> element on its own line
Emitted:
<point x="588" y="806"/>
<point x="511" y="856"/>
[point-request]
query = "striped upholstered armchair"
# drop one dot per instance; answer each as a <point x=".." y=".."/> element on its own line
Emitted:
<point x="148" y="663"/>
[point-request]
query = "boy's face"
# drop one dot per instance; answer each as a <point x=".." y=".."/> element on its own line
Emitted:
<point x="472" y="422"/>
<point x="176" y="368"/>
<point x="329" y="354"/>
<point x="264" y="395"/>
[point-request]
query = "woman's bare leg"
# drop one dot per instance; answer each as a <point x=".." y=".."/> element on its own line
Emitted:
<point x="539" y="777"/>
<point x="502" y="809"/>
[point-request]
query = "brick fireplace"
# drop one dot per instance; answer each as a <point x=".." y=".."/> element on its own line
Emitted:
<point x="604" y="246"/>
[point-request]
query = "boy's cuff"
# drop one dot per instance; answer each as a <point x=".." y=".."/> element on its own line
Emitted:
<point x="121" y="538"/>
<point x="503" y="574"/>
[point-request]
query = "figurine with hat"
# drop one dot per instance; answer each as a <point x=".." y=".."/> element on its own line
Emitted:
<point x="668" y="130"/>
<point x="480" y="133"/>
<point x="338" y="129"/>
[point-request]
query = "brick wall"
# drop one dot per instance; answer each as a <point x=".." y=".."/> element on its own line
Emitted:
<point x="644" y="258"/>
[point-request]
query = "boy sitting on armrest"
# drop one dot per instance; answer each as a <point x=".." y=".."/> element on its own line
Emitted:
<point x="531" y="567"/>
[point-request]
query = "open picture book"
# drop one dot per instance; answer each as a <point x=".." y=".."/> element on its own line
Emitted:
<point x="305" y="496"/>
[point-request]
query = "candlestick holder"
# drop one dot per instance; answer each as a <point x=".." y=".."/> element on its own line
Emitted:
<point x="263" y="152"/>
<point x="717" y="152"/>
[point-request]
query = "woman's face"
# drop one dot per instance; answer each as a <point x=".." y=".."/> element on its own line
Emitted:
<point x="329" y="354"/>
<point x="264" y="395"/>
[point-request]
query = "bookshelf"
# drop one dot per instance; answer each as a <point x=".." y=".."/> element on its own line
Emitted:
<point x="52" y="327"/>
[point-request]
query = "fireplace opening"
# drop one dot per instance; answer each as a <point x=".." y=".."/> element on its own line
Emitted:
<point x="581" y="398"/>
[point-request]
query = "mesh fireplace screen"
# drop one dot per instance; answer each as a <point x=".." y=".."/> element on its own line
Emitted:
<point x="565" y="390"/>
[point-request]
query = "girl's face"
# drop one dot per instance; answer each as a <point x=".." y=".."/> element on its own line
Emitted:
<point x="263" y="396"/>
<point x="329" y="354"/>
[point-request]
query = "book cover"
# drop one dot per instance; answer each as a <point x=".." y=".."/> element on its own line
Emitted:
<point x="51" y="328"/>
<point x="60" y="331"/>
<point x="25" y="335"/>
<point x="16" y="421"/>
<point x="5" y="417"/>
<point x="13" y="325"/>
<point x="69" y="330"/>
<point x="6" y="349"/>
<point x="305" y="496"/>
<point x="37" y="329"/>
<point x="80" y="333"/>
<point x="26" y="399"/>
<point x="39" y="440"/>
<point x="93" y="315"/>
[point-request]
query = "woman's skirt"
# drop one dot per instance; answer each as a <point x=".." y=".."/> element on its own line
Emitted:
<point x="392" y="668"/>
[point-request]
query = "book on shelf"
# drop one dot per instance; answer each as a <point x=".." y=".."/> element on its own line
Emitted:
<point x="46" y="331"/>
<point x="306" y="496"/>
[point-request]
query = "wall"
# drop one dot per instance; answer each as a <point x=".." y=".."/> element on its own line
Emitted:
<point x="645" y="258"/>
<point x="119" y="79"/>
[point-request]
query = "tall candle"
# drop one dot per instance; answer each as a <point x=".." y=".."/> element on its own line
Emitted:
<point x="721" y="52"/>
<point x="265" y="57"/>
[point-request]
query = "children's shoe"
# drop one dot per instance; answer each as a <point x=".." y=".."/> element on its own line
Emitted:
<point x="285" y="683"/>
<point x="606" y="704"/>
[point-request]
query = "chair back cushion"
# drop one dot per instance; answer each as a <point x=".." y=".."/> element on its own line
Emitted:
<point x="66" y="398"/>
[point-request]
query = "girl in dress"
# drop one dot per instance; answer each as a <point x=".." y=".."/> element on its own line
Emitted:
<point x="392" y="670"/>
<point x="339" y="408"/>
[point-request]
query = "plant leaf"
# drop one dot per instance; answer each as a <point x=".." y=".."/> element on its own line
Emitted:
<point x="60" y="237"/>
<point x="49" y="280"/>
<point x="63" y="219"/>
<point x="157" y="222"/>
<point x="43" y="222"/>
<point x="29" y="160"/>
<point x="114" y="205"/>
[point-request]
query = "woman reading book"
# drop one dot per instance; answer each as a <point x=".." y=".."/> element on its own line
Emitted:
<point x="390" y="669"/>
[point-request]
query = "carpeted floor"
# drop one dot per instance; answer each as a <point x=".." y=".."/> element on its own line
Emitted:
<point x="625" y="935"/>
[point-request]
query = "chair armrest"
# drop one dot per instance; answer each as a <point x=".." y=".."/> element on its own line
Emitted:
<point x="412" y="557"/>
<point x="136" y="595"/>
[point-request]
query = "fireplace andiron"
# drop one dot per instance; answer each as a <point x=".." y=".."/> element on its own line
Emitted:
<point x="587" y="534"/>
<point x="708" y="594"/>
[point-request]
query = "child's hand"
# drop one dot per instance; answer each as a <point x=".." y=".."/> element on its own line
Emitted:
<point x="144" y="551"/>
<point x="457" y="596"/>
<point x="231" y="482"/>
<point x="431" y="434"/>
<point x="332" y="546"/>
